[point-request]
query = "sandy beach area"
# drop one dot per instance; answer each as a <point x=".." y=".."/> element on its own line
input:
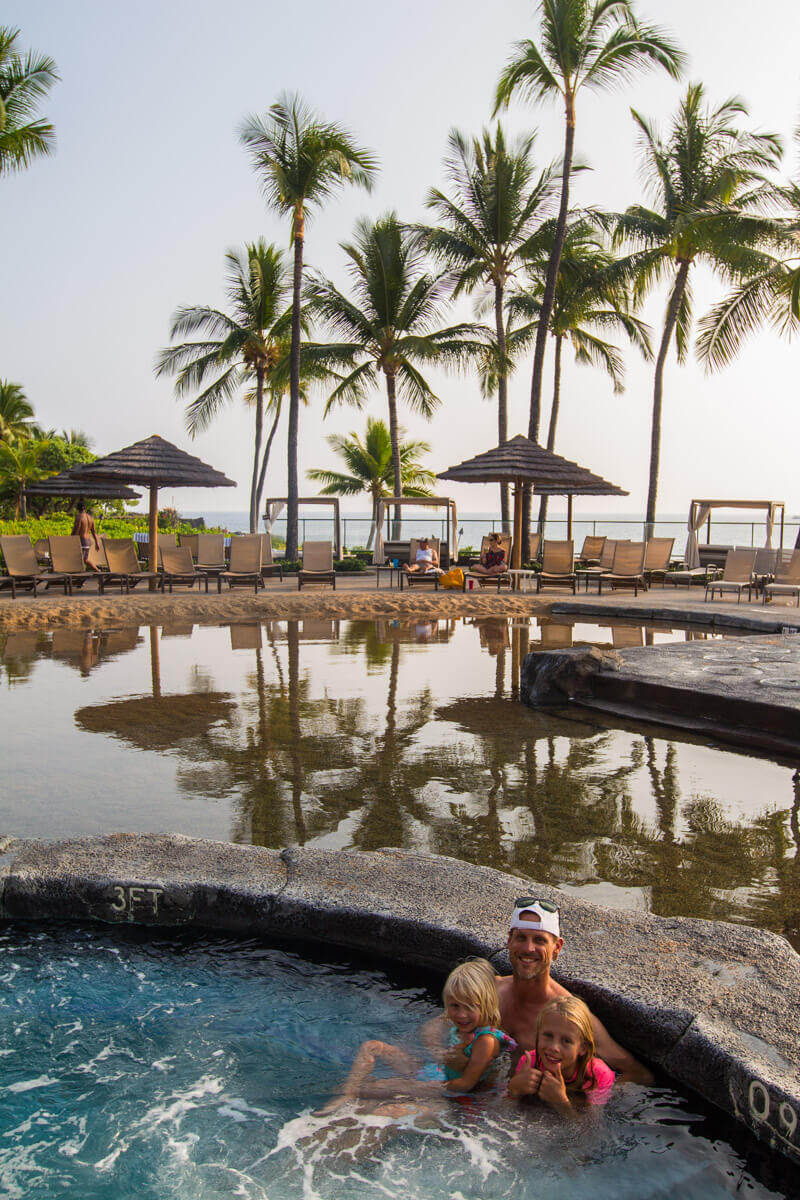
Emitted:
<point x="354" y="601"/>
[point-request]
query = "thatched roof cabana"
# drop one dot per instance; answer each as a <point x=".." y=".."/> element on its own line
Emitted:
<point x="521" y="461"/>
<point x="65" y="485"/>
<point x="155" y="463"/>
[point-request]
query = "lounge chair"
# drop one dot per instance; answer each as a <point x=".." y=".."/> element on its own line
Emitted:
<point x="764" y="569"/>
<point x="190" y="540"/>
<point x="627" y="569"/>
<point x="534" y="546"/>
<point x="499" y="581"/>
<point x="66" y="555"/>
<point x="41" y="548"/>
<point x="143" y="548"/>
<point x="317" y="564"/>
<point x="591" y="551"/>
<point x="211" y="554"/>
<point x="787" y="577"/>
<point x="558" y="565"/>
<point x="245" y="564"/>
<point x="605" y="564"/>
<point x="268" y="565"/>
<point x="657" y="557"/>
<point x="23" y="568"/>
<point x="178" y="567"/>
<point x="123" y="564"/>
<point x="737" y="575"/>
<point x="423" y="577"/>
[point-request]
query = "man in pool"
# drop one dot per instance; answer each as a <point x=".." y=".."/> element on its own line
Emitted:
<point x="534" y="943"/>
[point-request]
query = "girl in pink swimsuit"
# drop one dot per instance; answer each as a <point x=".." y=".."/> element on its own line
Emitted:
<point x="564" y="1058"/>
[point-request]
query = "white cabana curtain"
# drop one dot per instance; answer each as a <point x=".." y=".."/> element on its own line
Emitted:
<point x="770" y="525"/>
<point x="378" y="553"/>
<point x="274" y="510"/>
<point x="698" y="515"/>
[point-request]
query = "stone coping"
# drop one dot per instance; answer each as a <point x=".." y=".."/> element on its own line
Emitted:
<point x="716" y="1006"/>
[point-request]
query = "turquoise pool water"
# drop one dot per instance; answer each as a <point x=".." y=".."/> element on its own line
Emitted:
<point x="364" y="734"/>
<point x="174" y="1067"/>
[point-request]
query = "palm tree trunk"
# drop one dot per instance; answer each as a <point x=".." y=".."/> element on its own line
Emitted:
<point x="257" y="450"/>
<point x="502" y="397"/>
<point x="294" y="391"/>
<point x="394" y="435"/>
<point x="551" y="429"/>
<point x="658" y="388"/>
<point x="550" y="292"/>
<point x="22" y="506"/>
<point x="263" y="472"/>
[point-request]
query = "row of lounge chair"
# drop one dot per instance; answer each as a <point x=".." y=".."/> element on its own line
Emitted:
<point x="772" y="573"/>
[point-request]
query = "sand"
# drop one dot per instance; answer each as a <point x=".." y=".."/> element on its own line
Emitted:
<point x="91" y="610"/>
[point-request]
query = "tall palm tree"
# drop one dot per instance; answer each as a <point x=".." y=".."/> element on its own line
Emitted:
<point x="16" y="413"/>
<point x="371" y="469"/>
<point x="592" y="45"/>
<point x="21" y="464"/>
<point x="486" y="226"/>
<point x="708" y="181"/>
<point x="392" y="324"/>
<point x="24" y="80"/>
<point x="592" y="297"/>
<point x="247" y="349"/>
<point x="301" y="160"/>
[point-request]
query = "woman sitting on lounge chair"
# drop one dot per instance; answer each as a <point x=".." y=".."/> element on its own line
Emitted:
<point x="493" y="559"/>
<point x="426" y="559"/>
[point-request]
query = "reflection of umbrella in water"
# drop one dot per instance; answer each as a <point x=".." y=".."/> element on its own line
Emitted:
<point x="157" y="722"/>
<point x="497" y="719"/>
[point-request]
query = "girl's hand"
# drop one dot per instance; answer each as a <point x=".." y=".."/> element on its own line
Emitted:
<point x="526" y="1082"/>
<point x="455" y="1058"/>
<point x="553" y="1091"/>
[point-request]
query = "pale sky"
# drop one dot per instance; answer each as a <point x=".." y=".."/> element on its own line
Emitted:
<point x="149" y="186"/>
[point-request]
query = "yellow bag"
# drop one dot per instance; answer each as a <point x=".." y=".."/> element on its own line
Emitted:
<point x="453" y="579"/>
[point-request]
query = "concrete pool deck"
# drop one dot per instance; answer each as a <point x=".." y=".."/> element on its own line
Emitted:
<point x="716" y="1006"/>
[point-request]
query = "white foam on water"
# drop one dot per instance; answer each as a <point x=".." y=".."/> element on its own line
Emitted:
<point x="28" y="1085"/>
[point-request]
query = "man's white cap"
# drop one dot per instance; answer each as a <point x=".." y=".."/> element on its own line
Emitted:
<point x="536" y="918"/>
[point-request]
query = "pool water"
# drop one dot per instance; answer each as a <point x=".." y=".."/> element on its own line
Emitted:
<point x="365" y="734"/>
<point x="174" y="1067"/>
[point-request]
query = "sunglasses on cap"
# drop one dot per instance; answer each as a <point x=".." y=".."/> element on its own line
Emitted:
<point x="544" y="905"/>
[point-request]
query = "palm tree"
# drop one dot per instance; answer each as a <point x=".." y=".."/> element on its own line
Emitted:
<point x="301" y="161"/>
<point x="585" y="44"/>
<point x="24" y="80"/>
<point x="21" y="464"/>
<point x="592" y="296"/>
<point x="392" y="324"/>
<point x="370" y="467"/>
<point x="707" y="180"/>
<point x="16" y="413"/>
<point x="486" y="228"/>
<point x="249" y="348"/>
<point x="771" y="296"/>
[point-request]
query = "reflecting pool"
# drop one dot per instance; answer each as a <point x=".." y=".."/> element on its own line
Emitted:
<point x="165" y="1068"/>
<point x="391" y="733"/>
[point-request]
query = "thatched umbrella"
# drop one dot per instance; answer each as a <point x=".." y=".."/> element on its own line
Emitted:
<point x="65" y="485"/>
<point x="154" y="463"/>
<point x="521" y="461"/>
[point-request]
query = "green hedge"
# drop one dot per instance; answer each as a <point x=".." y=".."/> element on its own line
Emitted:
<point x="115" y="527"/>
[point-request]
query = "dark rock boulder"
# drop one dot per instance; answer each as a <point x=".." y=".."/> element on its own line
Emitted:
<point x="556" y="676"/>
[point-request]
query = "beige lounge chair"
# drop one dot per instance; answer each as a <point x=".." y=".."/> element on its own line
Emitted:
<point x="268" y="565"/>
<point x="605" y="564"/>
<point x="534" y="546"/>
<point x="23" y="567"/>
<point x="123" y="564"/>
<point x="787" y="577"/>
<point x="499" y="581"/>
<point x="317" y="564"/>
<point x="627" y="569"/>
<point x="66" y="556"/>
<point x="737" y="575"/>
<point x="245" y="564"/>
<point x="211" y="554"/>
<point x="422" y="577"/>
<point x="558" y="565"/>
<point x="657" y="557"/>
<point x="178" y="567"/>
<point x="764" y="569"/>
<point x="591" y="551"/>
<point x="190" y="540"/>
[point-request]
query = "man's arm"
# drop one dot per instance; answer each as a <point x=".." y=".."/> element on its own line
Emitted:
<point x="627" y="1068"/>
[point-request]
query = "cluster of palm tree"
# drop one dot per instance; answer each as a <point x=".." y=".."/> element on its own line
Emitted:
<point x="505" y="233"/>
<point x="25" y="78"/>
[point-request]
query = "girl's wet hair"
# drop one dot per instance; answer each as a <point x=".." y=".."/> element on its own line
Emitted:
<point x="573" y="1009"/>
<point x="474" y="983"/>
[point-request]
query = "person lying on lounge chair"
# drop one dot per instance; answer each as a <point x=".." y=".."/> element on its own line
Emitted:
<point x="493" y="559"/>
<point x="426" y="559"/>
